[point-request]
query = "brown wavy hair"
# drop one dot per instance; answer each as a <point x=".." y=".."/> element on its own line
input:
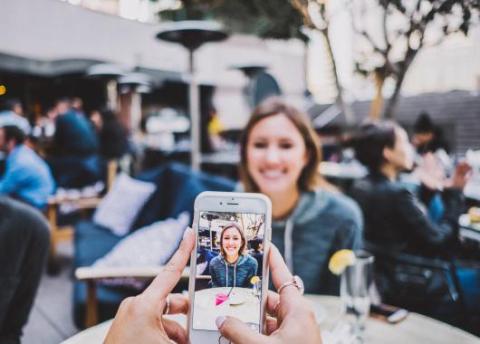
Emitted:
<point x="309" y="179"/>
<point x="243" y="247"/>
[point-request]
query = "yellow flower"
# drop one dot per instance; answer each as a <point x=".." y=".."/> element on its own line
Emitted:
<point x="340" y="260"/>
<point x="254" y="280"/>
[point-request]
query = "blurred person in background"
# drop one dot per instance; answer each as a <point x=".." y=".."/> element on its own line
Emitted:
<point x="112" y="136"/>
<point x="394" y="217"/>
<point x="27" y="177"/>
<point x="428" y="137"/>
<point x="396" y="220"/>
<point x="74" y="134"/>
<point x="433" y="164"/>
<point x="77" y="105"/>
<point x="75" y="163"/>
<point x="24" y="241"/>
<point x="280" y="155"/>
<point x="11" y="113"/>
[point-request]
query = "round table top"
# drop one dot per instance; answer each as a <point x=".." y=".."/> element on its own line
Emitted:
<point x="242" y="304"/>
<point x="415" y="328"/>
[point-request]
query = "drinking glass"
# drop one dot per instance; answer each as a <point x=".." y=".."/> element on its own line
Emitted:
<point x="257" y="289"/>
<point x="355" y="284"/>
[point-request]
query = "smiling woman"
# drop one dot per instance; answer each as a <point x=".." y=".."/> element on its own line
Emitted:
<point x="233" y="266"/>
<point x="280" y="154"/>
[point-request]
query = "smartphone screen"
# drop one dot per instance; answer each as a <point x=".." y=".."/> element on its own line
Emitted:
<point x="229" y="265"/>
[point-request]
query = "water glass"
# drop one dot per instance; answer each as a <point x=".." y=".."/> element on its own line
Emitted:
<point x="355" y="284"/>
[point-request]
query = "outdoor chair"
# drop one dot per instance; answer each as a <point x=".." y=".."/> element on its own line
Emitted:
<point x="425" y="285"/>
<point x="83" y="205"/>
<point x="176" y="188"/>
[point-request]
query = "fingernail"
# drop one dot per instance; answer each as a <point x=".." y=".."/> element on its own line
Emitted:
<point x="187" y="231"/>
<point x="219" y="321"/>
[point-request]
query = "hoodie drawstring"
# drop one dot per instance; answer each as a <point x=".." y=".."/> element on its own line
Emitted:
<point x="234" y="274"/>
<point x="288" y="242"/>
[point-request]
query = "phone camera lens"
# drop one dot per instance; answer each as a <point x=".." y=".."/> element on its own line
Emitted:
<point x="221" y="203"/>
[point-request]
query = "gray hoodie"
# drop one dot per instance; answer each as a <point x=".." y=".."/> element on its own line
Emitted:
<point x="322" y="223"/>
<point x="233" y="275"/>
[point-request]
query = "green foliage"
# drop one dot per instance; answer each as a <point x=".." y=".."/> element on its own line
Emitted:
<point x="264" y="18"/>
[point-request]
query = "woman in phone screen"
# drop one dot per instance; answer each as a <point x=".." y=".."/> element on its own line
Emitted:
<point x="233" y="267"/>
<point x="280" y="156"/>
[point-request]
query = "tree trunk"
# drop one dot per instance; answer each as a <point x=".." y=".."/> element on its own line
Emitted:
<point x="377" y="102"/>
<point x="389" y="111"/>
<point x="392" y="103"/>
<point x="344" y="107"/>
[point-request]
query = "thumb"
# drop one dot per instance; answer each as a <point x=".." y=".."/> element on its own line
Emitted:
<point x="237" y="331"/>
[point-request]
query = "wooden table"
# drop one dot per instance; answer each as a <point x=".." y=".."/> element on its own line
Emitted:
<point x="415" y="328"/>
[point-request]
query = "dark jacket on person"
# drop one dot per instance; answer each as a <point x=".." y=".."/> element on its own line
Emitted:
<point x="113" y="139"/>
<point x="24" y="242"/>
<point x="74" y="135"/>
<point x="233" y="275"/>
<point x="395" y="219"/>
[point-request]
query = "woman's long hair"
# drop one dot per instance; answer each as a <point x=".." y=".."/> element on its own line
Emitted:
<point x="309" y="179"/>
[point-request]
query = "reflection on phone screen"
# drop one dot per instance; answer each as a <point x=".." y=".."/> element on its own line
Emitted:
<point x="228" y="278"/>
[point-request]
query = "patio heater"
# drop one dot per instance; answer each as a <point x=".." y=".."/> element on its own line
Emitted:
<point x="192" y="34"/>
<point x="135" y="83"/>
<point x="250" y="71"/>
<point x="108" y="72"/>
<point x="261" y="84"/>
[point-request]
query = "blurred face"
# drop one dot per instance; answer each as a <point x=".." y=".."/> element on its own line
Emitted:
<point x="401" y="155"/>
<point x="276" y="155"/>
<point x="231" y="242"/>
<point x="5" y="146"/>
<point x="420" y="139"/>
<point x="96" y="119"/>
<point x="77" y="103"/>
<point x="18" y="109"/>
<point x="62" y="107"/>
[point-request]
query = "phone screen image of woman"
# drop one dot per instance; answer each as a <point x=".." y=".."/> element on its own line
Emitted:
<point x="228" y="277"/>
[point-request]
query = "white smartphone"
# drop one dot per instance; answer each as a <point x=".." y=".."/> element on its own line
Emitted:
<point x="228" y="267"/>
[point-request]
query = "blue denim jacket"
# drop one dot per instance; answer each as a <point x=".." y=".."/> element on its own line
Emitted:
<point x="233" y="275"/>
<point x="27" y="177"/>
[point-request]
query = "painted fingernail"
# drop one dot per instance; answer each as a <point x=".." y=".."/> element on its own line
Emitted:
<point x="219" y="321"/>
<point x="187" y="231"/>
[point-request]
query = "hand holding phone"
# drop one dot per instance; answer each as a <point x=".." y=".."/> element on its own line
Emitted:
<point x="139" y="319"/>
<point x="287" y="310"/>
<point x="229" y="271"/>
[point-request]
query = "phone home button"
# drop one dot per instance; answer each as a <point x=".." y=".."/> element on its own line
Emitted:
<point x="223" y="340"/>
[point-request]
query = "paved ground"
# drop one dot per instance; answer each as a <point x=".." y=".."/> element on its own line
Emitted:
<point x="51" y="318"/>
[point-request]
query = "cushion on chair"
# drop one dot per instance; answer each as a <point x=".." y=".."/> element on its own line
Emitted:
<point x="177" y="187"/>
<point x="150" y="246"/>
<point x="119" y="208"/>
